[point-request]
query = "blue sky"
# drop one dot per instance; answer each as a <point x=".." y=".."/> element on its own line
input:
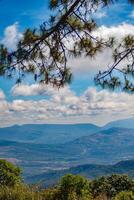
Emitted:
<point x="27" y="13"/>
<point x="15" y="16"/>
<point x="32" y="13"/>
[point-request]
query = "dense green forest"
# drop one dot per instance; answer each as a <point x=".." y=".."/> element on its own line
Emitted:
<point x="70" y="187"/>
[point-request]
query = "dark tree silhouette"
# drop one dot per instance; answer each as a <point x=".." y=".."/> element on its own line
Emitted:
<point x="44" y="52"/>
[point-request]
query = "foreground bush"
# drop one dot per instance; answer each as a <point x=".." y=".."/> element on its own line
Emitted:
<point x="51" y="194"/>
<point x="10" y="175"/>
<point x="71" y="187"/>
<point x="111" y="185"/>
<point x="17" y="193"/>
<point x="125" y="196"/>
<point x="74" y="187"/>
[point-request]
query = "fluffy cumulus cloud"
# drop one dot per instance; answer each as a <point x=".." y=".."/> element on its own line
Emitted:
<point x="100" y="14"/>
<point x="103" y="59"/>
<point x="2" y="95"/>
<point x="65" y="106"/>
<point x="3" y="104"/>
<point x="11" y="36"/>
<point x="32" y="90"/>
<point x="116" y="31"/>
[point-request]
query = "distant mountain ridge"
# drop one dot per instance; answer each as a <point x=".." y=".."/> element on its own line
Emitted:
<point x="57" y="133"/>
<point x="46" y="133"/>
<point x="124" y="123"/>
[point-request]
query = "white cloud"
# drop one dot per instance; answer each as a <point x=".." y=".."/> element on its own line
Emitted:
<point x="100" y="14"/>
<point x="2" y="95"/>
<point x="118" y="32"/>
<point x="32" y="90"/>
<point x="64" y="106"/>
<point x="43" y="90"/>
<point x="11" y="36"/>
<point x="3" y="107"/>
<point x="104" y="59"/>
<point x="3" y="103"/>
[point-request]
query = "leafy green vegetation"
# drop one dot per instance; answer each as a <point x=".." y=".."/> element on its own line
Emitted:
<point x="70" y="187"/>
<point x="9" y="174"/>
<point x="111" y="185"/>
<point x="125" y="196"/>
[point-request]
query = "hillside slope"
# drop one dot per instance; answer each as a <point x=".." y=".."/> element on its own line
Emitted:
<point x="124" y="123"/>
<point x="106" y="146"/>
<point x="89" y="170"/>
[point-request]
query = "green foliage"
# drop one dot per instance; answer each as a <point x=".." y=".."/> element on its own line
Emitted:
<point x="20" y="192"/>
<point x="73" y="187"/>
<point x="9" y="174"/>
<point x="111" y="185"/>
<point x="125" y="196"/>
<point x="50" y="194"/>
<point x="3" y="59"/>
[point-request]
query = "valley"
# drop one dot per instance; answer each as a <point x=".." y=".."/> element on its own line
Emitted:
<point x="52" y="150"/>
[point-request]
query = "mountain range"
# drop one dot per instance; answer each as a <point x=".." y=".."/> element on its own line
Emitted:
<point x="46" y="133"/>
<point x="45" y="148"/>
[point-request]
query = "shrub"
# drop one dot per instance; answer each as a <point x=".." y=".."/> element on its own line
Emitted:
<point x="20" y="192"/>
<point x="9" y="174"/>
<point x="124" y="196"/>
<point x="73" y="187"/>
<point x="111" y="185"/>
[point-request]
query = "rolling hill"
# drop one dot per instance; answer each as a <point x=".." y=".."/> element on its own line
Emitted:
<point x="52" y="149"/>
<point x="104" y="147"/>
<point x="89" y="170"/>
